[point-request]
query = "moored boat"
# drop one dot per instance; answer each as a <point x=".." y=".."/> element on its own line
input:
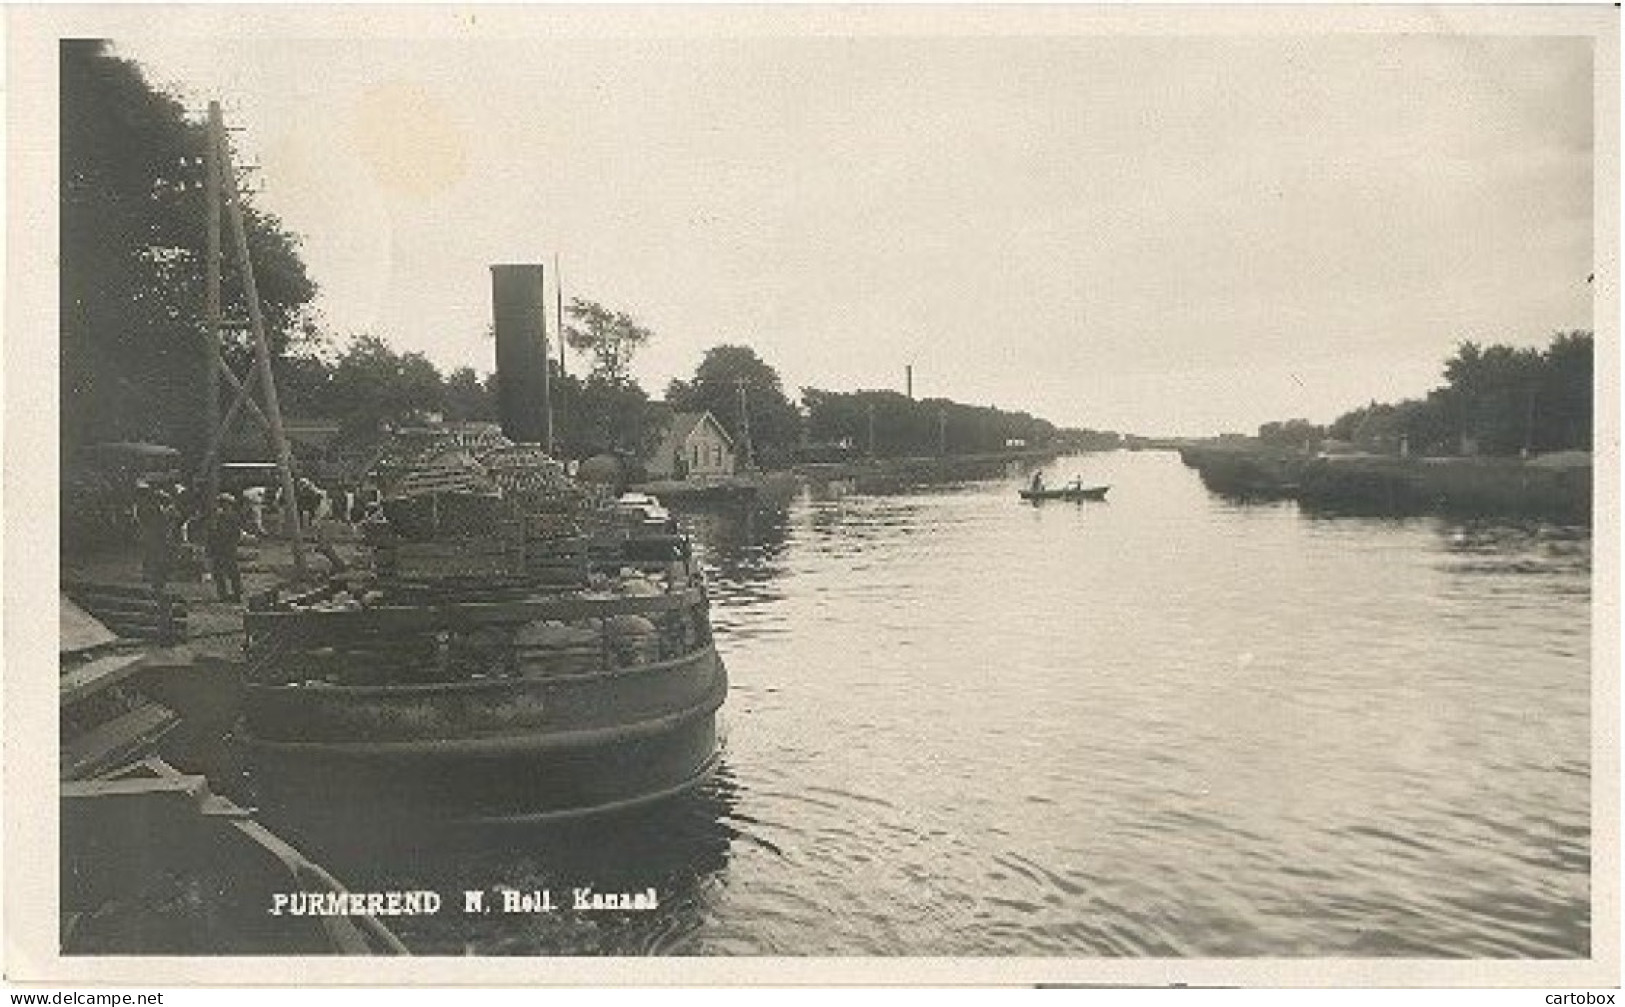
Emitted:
<point x="555" y="661"/>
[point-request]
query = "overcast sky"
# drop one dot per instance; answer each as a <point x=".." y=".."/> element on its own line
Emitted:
<point x="1150" y="234"/>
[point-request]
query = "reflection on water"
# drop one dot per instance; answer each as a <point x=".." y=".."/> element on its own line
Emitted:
<point x="1163" y="725"/>
<point x="680" y="848"/>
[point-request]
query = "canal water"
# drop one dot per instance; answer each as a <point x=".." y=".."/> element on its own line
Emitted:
<point x="1163" y="725"/>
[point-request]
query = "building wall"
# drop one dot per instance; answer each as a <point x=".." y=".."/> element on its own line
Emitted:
<point x="703" y="454"/>
<point x="707" y="453"/>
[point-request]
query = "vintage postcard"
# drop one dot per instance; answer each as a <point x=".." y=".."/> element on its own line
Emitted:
<point x="812" y="494"/>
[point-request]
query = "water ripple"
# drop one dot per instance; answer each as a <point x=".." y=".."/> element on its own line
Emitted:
<point x="1166" y="726"/>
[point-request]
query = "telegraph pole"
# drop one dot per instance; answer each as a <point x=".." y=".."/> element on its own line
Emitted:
<point x="1529" y="424"/>
<point x="744" y="424"/>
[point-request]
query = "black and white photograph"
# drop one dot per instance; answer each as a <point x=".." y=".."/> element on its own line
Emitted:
<point x="1008" y="494"/>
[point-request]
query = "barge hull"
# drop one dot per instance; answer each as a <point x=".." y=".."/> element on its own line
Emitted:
<point x="520" y="777"/>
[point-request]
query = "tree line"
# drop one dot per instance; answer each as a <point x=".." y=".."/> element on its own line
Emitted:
<point x="132" y="326"/>
<point x="1497" y="400"/>
<point x="367" y="387"/>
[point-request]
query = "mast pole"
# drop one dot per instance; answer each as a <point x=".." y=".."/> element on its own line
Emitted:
<point x="547" y="377"/>
<point x="558" y="310"/>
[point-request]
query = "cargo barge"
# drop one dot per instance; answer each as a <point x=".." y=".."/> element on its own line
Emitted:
<point x="521" y="650"/>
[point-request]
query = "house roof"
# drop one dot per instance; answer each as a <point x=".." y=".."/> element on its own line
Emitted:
<point x="683" y="424"/>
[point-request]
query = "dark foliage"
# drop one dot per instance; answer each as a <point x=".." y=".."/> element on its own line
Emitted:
<point x="132" y="251"/>
<point x="1495" y="401"/>
<point x="905" y="427"/>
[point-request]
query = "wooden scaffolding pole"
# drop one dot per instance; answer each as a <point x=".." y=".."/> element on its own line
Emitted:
<point x="262" y="352"/>
<point x="215" y="367"/>
<point x="211" y="311"/>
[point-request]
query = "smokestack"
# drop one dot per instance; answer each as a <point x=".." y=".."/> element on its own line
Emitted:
<point x="519" y="314"/>
<point x="908" y="379"/>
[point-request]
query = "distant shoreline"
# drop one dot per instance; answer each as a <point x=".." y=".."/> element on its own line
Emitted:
<point x="1556" y="487"/>
<point x="748" y="485"/>
<point x="924" y="464"/>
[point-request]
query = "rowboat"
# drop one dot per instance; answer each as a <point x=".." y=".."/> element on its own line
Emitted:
<point x="1066" y="493"/>
<point x="555" y="663"/>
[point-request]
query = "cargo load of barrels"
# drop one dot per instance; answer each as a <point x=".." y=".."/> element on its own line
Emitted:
<point x="460" y="506"/>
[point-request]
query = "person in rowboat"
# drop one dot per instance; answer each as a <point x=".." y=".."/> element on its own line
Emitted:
<point x="1038" y="481"/>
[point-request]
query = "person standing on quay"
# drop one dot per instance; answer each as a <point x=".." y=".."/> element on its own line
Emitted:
<point x="254" y="498"/>
<point x="222" y="546"/>
<point x="155" y="531"/>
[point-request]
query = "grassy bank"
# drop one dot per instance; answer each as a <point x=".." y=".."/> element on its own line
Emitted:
<point x="1555" y="487"/>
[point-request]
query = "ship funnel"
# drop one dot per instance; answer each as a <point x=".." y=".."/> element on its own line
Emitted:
<point x="520" y="319"/>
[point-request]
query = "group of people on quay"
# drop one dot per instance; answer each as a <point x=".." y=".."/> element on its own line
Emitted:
<point x="170" y="519"/>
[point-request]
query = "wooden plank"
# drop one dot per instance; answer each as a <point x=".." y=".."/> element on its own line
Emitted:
<point x="128" y="605"/>
<point x="465" y="566"/>
<point x="193" y="788"/>
<point x="97" y="675"/>
<point x="79" y="587"/>
<point x="112" y="608"/>
<point x="118" y="740"/>
<point x="448" y="550"/>
<point x="80" y="630"/>
<point x="136" y="630"/>
<point x="120" y="621"/>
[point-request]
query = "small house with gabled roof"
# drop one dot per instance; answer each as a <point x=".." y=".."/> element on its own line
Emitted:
<point x="694" y="446"/>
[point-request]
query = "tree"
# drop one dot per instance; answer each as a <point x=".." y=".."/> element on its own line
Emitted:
<point x="373" y="385"/>
<point x="610" y="338"/>
<point x="131" y="255"/>
<point x="466" y="397"/>
<point x="304" y="383"/>
<point x="905" y="426"/>
<point x="1564" y="405"/>
<point x="1298" y="434"/>
<point x="733" y="383"/>
<point x="1491" y="395"/>
<point x="1500" y="398"/>
<point x="612" y="418"/>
